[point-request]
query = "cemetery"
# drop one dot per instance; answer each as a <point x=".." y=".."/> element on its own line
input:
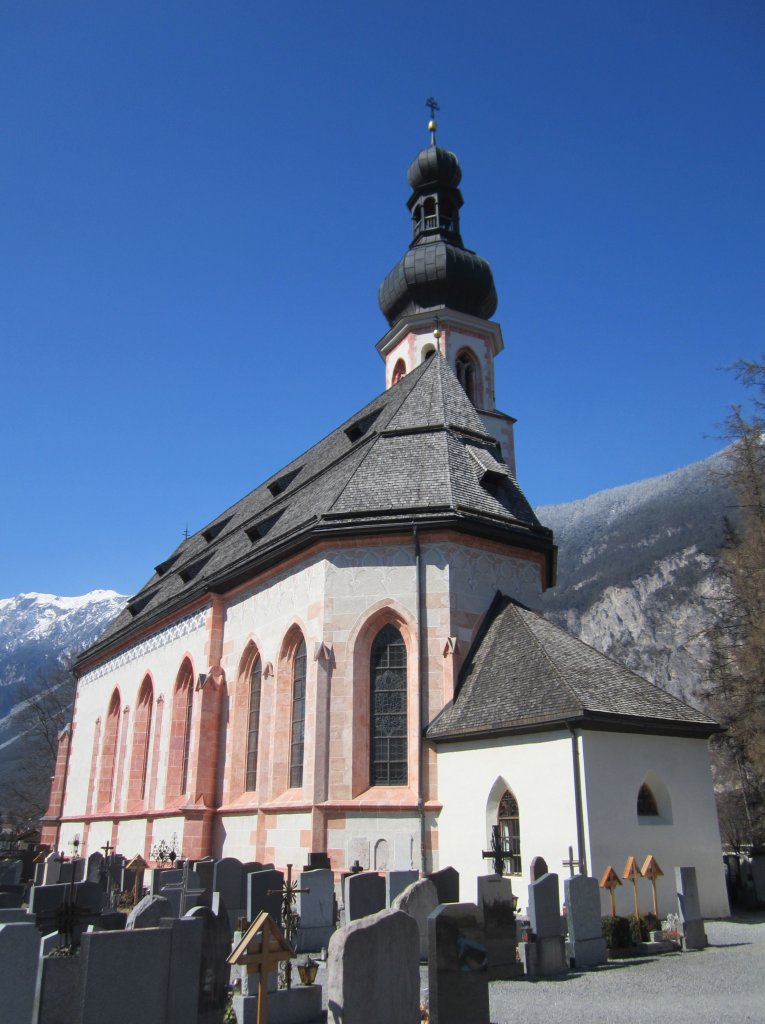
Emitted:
<point x="221" y="941"/>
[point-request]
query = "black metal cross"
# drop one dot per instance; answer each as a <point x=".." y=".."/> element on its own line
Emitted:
<point x="497" y="853"/>
<point x="430" y="102"/>
<point x="107" y="849"/>
<point x="289" y="893"/>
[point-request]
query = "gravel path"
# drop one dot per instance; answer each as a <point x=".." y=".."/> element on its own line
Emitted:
<point x="723" y="983"/>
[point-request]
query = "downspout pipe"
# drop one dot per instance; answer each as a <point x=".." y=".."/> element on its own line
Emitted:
<point x="422" y="695"/>
<point x="581" y="851"/>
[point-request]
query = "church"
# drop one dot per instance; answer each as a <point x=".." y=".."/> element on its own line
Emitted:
<point x="350" y="661"/>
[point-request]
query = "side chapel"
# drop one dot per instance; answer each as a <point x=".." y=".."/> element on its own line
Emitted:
<point x="349" y="659"/>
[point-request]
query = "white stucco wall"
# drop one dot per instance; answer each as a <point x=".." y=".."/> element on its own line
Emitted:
<point x="685" y="834"/>
<point x="472" y="779"/>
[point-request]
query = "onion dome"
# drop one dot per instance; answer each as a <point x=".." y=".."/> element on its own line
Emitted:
<point x="437" y="270"/>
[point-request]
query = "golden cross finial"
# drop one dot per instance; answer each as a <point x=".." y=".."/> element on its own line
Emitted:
<point x="432" y="126"/>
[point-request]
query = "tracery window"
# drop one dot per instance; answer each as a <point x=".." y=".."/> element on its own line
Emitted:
<point x="388" y="721"/>
<point x="139" y="762"/>
<point x="180" y="731"/>
<point x="508" y="820"/>
<point x="109" y="752"/>
<point x="467" y="374"/>
<point x="297" y="734"/>
<point x="253" y="725"/>
<point x="646" y="802"/>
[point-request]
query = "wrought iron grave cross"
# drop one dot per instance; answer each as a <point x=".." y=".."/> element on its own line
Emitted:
<point x="497" y="853"/>
<point x="289" y="893"/>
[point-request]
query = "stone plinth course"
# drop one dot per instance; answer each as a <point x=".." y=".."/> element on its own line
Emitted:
<point x="419" y="900"/>
<point x="458" y="977"/>
<point x="373" y="971"/>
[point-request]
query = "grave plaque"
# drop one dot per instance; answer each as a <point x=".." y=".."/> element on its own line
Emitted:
<point x="458" y="977"/>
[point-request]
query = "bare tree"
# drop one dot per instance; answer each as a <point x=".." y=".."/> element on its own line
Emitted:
<point x="44" y="708"/>
<point x="735" y="691"/>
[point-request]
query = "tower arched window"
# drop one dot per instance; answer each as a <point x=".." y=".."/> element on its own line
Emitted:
<point x="431" y="218"/>
<point x="509" y="823"/>
<point x="388" y="719"/>
<point x="253" y="725"/>
<point x="399" y="371"/>
<point x="467" y="374"/>
<point x="297" y="732"/>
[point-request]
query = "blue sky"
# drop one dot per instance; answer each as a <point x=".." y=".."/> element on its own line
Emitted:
<point x="200" y="200"/>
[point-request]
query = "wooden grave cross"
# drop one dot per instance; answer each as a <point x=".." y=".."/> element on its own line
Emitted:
<point x="260" y="950"/>
<point x="136" y="867"/>
<point x="632" y="872"/>
<point x="652" y="871"/>
<point x="571" y="863"/>
<point x="610" y="881"/>
<point x="497" y="854"/>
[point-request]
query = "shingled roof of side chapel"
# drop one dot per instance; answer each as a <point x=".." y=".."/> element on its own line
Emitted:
<point x="418" y="454"/>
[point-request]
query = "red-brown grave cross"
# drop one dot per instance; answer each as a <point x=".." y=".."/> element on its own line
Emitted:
<point x="652" y="871"/>
<point x="610" y="881"/>
<point x="289" y="893"/>
<point x="632" y="872"/>
<point x="260" y="950"/>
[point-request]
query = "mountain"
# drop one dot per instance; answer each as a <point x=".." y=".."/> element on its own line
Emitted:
<point x="39" y="632"/>
<point x="637" y="572"/>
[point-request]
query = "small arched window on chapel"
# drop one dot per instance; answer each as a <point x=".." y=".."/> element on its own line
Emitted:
<point x="253" y="725"/>
<point x="646" y="803"/>
<point x="388" y="746"/>
<point x="508" y="820"/>
<point x="297" y="734"/>
<point x="467" y="374"/>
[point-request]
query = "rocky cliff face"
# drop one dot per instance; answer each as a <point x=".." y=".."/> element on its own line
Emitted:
<point x="636" y="571"/>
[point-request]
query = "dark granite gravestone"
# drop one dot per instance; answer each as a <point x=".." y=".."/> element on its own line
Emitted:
<point x="316" y="909"/>
<point x="11" y="900"/>
<point x="537" y="868"/>
<point x="66" y="873"/>
<point x="45" y="900"/>
<point x="396" y="882"/>
<point x="364" y="895"/>
<point x="205" y="870"/>
<point x="317" y="860"/>
<point x="214" y="970"/>
<point x="458" y="977"/>
<point x="247" y="869"/>
<point x="227" y="880"/>
<point x="148" y="912"/>
<point x="263" y="888"/>
<point x="10" y="872"/>
<point x="116" y="871"/>
<point x="447" y="883"/>
<point x="19" y="953"/>
<point x="165" y="876"/>
<point x="495" y="904"/>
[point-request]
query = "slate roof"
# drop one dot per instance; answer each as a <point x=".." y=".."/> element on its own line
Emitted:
<point x="524" y="674"/>
<point x="418" y="453"/>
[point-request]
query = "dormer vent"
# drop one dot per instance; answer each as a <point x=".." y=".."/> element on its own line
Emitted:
<point x="259" y="530"/>
<point x="359" y="427"/>
<point x="189" y="572"/>
<point x="212" y="531"/>
<point x="168" y="563"/>
<point x="282" y="482"/>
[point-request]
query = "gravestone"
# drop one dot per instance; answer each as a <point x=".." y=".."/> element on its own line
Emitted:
<point x="418" y="901"/>
<point x="10" y="900"/>
<point x="228" y="880"/>
<point x="317" y="860"/>
<point x="45" y="900"/>
<point x="364" y="895"/>
<point x="12" y="915"/>
<point x="214" y="970"/>
<point x="689" y="908"/>
<point x="447" y="883"/>
<point x="316" y="909"/>
<point x="263" y="893"/>
<point x="458" y="977"/>
<point x="537" y="868"/>
<point x="78" y="869"/>
<point x="586" y="945"/>
<point x="205" y="870"/>
<point x="148" y="912"/>
<point x="66" y="872"/>
<point x="372" y="971"/>
<point x="396" y="882"/>
<point x="757" y="868"/>
<point x="495" y="904"/>
<point x="546" y="954"/>
<point x="95" y="867"/>
<point x="19" y="952"/>
<point x="161" y="877"/>
<point x="39" y="873"/>
<point x="10" y="872"/>
<point x="52" y="869"/>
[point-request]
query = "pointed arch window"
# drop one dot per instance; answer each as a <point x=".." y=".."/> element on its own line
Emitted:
<point x="139" y="761"/>
<point x="646" y="803"/>
<point x="109" y="752"/>
<point x="467" y="374"/>
<point x="508" y="819"/>
<point x="388" y="719"/>
<point x="180" y="731"/>
<point x="297" y="732"/>
<point x="399" y="371"/>
<point x="253" y="725"/>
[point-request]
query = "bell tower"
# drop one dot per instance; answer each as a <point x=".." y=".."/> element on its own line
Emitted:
<point x="440" y="296"/>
